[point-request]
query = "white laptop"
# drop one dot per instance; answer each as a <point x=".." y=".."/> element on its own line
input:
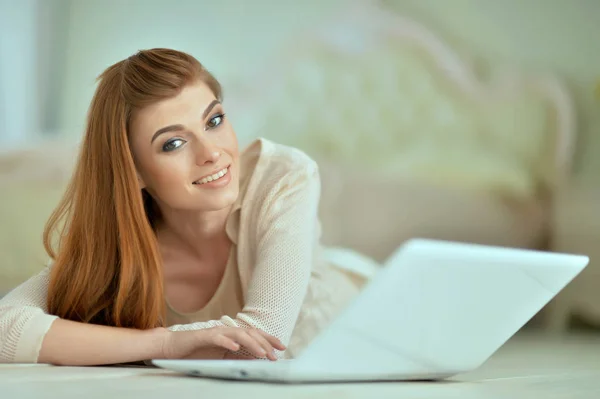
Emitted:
<point x="436" y="309"/>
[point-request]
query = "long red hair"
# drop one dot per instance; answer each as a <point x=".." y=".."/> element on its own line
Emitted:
<point x="107" y="267"/>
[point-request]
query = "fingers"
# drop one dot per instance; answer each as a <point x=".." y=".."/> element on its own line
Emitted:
<point x="249" y="342"/>
<point x="264" y="343"/>
<point x="226" y="342"/>
<point x="255" y="341"/>
<point x="274" y="341"/>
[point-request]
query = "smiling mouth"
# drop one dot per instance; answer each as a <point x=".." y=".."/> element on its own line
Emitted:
<point x="215" y="176"/>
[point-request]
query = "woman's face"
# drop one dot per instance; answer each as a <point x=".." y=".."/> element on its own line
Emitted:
<point x="186" y="151"/>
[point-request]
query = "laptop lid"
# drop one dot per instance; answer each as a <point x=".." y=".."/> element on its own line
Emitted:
<point x="440" y="308"/>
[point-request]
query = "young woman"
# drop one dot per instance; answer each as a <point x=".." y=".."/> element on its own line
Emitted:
<point x="171" y="242"/>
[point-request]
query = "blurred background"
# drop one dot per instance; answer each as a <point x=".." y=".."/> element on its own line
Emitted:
<point x="469" y="120"/>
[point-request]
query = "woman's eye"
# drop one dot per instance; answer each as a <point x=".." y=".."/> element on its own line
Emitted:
<point x="215" y="121"/>
<point x="172" y="145"/>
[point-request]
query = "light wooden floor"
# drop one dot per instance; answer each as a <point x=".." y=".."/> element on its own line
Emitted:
<point x="529" y="366"/>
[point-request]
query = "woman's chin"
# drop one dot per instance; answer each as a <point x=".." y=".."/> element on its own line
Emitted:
<point x="218" y="200"/>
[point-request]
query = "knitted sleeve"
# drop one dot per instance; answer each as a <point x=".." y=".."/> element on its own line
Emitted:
<point x="24" y="320"/>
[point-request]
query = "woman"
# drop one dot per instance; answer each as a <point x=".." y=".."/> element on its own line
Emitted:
<point x="171" y="243"/>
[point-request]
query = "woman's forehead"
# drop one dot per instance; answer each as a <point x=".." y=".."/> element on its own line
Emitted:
<point x="184" y="108"/>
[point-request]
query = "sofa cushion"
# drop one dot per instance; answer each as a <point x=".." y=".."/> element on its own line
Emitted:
<point x="374" y="215"/>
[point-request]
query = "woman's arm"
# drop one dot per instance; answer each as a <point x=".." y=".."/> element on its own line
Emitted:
<point x="78" y="344"/>
<point x="24" y="320"/>
<point x="29" y="335"/>
<point x="287" y="236"/>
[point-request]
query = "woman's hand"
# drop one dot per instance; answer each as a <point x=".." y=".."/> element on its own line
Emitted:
<point x="217" y="341"/>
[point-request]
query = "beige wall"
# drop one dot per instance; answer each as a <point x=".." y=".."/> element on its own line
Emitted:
<point x="231" y="37"/>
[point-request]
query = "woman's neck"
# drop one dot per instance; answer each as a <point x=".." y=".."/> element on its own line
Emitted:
<point x="201" y="233"/>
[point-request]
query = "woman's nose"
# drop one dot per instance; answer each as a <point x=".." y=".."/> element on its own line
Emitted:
<point x="207" y="153"/>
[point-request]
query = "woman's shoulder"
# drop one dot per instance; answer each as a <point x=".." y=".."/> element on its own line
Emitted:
<point x="274" y="156"/>
<point x="270" y="170"/>
<point x="277" y="160"/>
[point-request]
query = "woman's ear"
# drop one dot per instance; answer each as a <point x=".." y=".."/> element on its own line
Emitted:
<point x="141" y="183"/>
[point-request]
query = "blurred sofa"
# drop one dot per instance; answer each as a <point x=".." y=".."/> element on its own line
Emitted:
<point x="374" y="215"/>
<point x="32" y="181"/>
<point x="410" y="140"/>
<point x="576" y="229"/>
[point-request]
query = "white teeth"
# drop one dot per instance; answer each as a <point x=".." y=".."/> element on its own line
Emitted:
<point x="212" y="177"/>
